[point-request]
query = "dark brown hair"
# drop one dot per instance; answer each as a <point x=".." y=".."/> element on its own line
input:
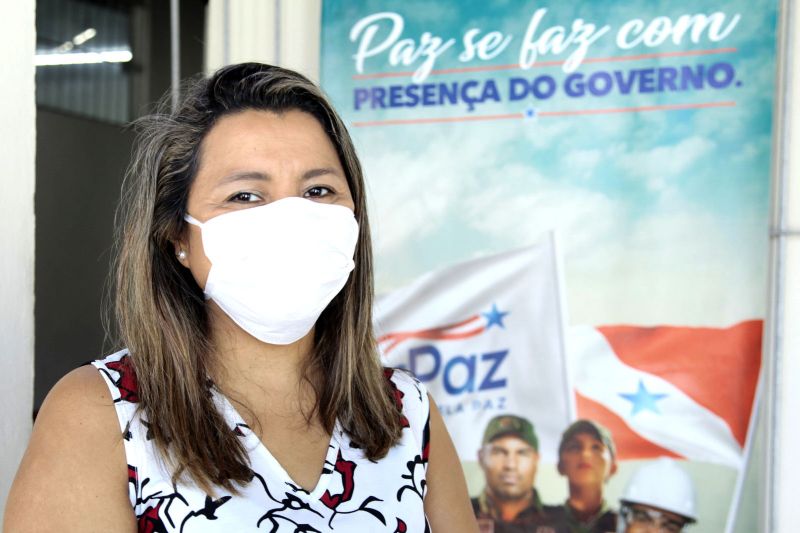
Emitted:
<point x="160" y="310"/>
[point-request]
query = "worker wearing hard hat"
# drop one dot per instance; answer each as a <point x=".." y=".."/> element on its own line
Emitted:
<point x="587" y="458"/>
<point x="659" y="498"/>
<point x="508" y="457"/>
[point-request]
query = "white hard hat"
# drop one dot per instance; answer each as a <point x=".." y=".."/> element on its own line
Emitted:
<point x="664" y="485"/>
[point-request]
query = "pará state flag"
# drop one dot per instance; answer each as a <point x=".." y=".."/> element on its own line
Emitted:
<point x="486" y="337"/>
<point x="669" y="391"/>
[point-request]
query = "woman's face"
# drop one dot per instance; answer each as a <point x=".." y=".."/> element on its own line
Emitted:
<point x="252" y="158"/>
<point x="586" y="461"/>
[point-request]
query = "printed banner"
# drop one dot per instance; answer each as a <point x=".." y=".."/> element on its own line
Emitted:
<point x="486" y="337"/>
<point x="640" y="131"/>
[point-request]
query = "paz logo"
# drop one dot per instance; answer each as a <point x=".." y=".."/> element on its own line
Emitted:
<point x="464" y="329"/>
<point x="464" y="371"/>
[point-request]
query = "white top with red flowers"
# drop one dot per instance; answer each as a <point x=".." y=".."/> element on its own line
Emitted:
<point x="353" y="494"/>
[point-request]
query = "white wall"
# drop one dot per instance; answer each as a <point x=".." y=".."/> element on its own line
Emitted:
<point x="17" y="179"/>
<point x="253" y="34"/>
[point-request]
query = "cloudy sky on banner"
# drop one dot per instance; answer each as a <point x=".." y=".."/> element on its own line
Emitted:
<point x="657" y="204"/>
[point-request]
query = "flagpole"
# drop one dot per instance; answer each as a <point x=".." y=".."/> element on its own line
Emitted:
<point x="569" y="388"/>
<point x="738" y="490"/>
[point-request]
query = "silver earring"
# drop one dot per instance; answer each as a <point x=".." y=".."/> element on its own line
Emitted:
<point x="182" y="255"/>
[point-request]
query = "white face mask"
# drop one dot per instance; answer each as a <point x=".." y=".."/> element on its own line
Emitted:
<point x="275" y="267"/>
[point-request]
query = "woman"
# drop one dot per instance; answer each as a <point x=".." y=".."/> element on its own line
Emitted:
<point x="250" y="394"/>
<point x="587" y="458"/>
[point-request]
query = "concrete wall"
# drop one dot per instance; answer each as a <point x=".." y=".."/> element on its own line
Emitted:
<point x="17" y="179"/>
<point x="278" y="32"/>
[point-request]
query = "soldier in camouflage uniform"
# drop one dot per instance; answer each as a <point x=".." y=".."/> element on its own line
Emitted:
<point x="509" y="456"/>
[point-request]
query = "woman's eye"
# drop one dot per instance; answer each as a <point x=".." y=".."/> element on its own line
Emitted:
<point x="318" y="192"/>
<point x="244" y="197"/>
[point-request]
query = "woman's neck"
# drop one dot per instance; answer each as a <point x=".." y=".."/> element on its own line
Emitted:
<point x="258" y="373"/>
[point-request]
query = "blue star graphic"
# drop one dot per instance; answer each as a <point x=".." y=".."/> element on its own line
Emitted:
<point x="530" y="112"/>
<point x="495" y="317"/>
<point x="643" y="400"/>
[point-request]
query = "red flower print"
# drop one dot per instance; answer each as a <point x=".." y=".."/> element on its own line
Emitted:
<point x="397" y="394"/>
<point x="126" y="383"/>
<point x="133" y="475"/>
<point x="401" y="527"/>
<point x="150" y="522"/>
<point x="347" y="470"/>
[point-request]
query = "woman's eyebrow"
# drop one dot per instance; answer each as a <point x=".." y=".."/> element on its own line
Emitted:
<point x="262" y="176"/>
<point x="315" y="172"/>
<point x="242" y="176"/>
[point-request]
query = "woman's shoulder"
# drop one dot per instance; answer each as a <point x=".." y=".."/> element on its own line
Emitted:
<point x="82" y="398"/>
<point x="74" y="466"/>
<point x="79" y="409"/>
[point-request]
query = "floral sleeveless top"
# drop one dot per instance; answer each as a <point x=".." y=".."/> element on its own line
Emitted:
<point x="353" y="494"/>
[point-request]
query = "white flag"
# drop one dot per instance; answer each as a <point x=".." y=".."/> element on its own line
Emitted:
<point x="486" y="337"/>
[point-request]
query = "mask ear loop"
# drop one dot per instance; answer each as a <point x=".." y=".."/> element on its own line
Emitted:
<point x="193" y="221"/>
